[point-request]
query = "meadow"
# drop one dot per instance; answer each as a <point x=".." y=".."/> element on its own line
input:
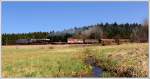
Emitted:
<point x="125" y="60"/>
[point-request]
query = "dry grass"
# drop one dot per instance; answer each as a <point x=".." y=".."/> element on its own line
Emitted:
<point x="126" y="60"/>
<point x="42" y="61"/>
<point x="67" y="60"/>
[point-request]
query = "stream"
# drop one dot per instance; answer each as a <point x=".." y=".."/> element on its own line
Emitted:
<point x="96" y="70"/>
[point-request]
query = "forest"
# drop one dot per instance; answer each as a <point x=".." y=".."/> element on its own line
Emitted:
<point x="135" y="32"/>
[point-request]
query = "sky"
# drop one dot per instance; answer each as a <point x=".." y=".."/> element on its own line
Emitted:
<point x="24" y="17"/>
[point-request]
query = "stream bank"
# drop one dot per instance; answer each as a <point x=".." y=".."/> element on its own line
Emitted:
<point x="97" y="69"/>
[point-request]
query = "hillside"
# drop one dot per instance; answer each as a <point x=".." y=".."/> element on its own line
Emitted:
<point x="135" y="32"/>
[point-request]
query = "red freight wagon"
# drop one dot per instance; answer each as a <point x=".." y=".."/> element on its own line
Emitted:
<point x="75" y="41"/>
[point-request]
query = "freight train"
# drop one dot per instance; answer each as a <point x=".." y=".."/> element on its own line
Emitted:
<point x="73" y="41"/>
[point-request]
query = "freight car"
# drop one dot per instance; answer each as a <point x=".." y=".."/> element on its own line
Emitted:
<point x="121" y="41"/>
<point x="108" y="42"/>
<point x="75" y="41"/>
<point x="91" y="41"/>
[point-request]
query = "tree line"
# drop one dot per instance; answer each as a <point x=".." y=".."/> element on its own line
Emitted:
<point x="135" y="32"/>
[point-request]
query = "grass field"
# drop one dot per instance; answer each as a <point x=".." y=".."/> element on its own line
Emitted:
<point x="68" y="60"/>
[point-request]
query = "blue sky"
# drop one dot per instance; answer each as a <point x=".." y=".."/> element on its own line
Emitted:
<point x="21" y="17"/>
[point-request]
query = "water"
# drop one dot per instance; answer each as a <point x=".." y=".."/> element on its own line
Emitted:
<point x="97" y="71"/>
